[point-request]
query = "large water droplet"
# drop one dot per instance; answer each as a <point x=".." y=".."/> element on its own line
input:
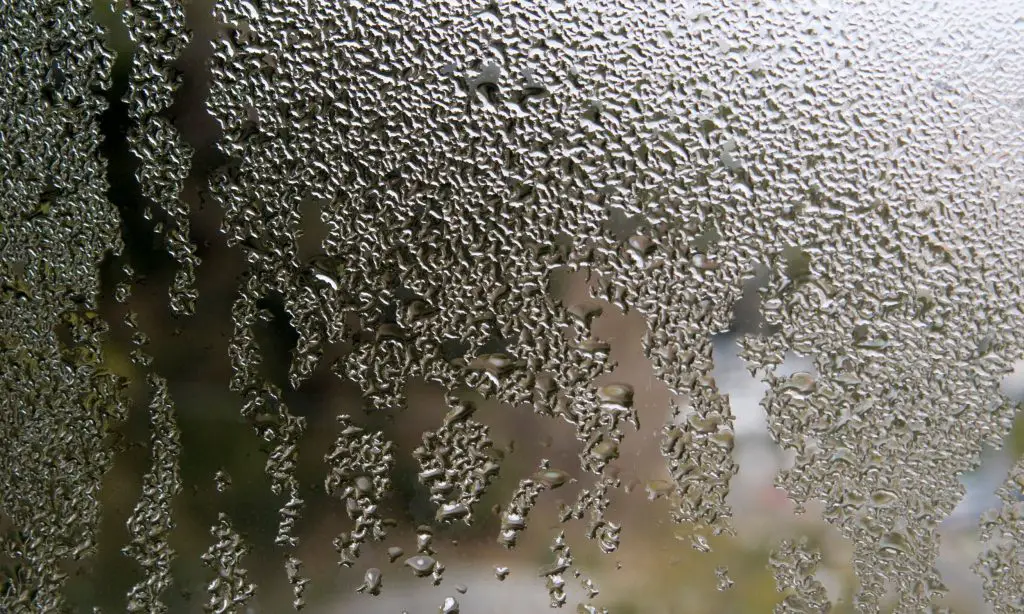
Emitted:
<point x="421" y="564"/>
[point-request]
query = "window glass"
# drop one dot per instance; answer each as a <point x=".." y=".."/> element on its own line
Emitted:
<point x="488" y="306"/>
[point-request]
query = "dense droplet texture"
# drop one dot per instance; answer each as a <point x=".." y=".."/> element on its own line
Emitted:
<point x="57" y="401"/>
<point x="158" y="30"/>
<point x="229" y="589"/>
<point x="460" y="155"/>
<point x="360" y="465"/>
<point x="150" y="524"/>
<point x="455" y="464"/>
<point x="794" y="565"/>
<point x="1002" y="530"/>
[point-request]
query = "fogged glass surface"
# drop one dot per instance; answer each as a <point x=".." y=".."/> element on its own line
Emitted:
<point x="490" y="306"/>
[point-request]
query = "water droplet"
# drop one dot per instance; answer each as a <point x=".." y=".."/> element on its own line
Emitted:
<point x="883" y="497"/>
<point x="372" y="582"/>
<point x="390" y="331"/>
<point x="724" y="582"/>
<point x="363" y="484"/>
<point x="593" y="347"/>
<point x="551" y="478"/>
<point x="494" y="364"/>
<point x="801" y="382"/>
<point x="451" y="511"/>
<point x="511" y="521"/>
<point x="222" y="481"/>
<point x="418" y="310"/>
<point x="893" y="542"/>
<point x="450" y="606"/>
<point x="605" y="450"/>
<point x="424" y="539"/>
<point x="657" y="489"/>
<point x="586" y="312"/>
<point x="700" y="543"/>
<point x="421" y="564"/>
<point x="616" y="395"/>
<point x="461" y="411"/>
<point x="641" y="244"/>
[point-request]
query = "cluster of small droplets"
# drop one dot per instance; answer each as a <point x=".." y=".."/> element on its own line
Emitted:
<point x="595" y="501"/>
<point x="722" y="580"/>
<point x="442" y="228"/>
<point x="523" y="499"/>
<point x="794" y="565"/>
<point x="123" y="288"/>
<point x="875" y="271"/>
<point x="697" y="445"/>
<point x="457" y="462"/>
<point x="150" y="524"/>
<point x="668" y="273"/>
<point x="221" y="481"/>
<point x="554" y="572"/>
<point x="868" y="156"/>
<point x="598" y="419"/>
<point x="425" y="539"/>
<point x="139" y="340"/>
<point x="888" y="522"/>
<point x="58" y="401"/>
<point x="264" y="408"/>
<point x="157" y="30"/>
<point x="1001" y="563"/>
<point x="360" y="466"/>
<point x="292" y="567"/>
<point x="276" y="425"/>
<point x="513" y="517"/>
<point x="229" y="589"/>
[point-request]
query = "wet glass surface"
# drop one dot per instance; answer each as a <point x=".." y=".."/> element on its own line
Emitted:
<point x="492" y="306"/>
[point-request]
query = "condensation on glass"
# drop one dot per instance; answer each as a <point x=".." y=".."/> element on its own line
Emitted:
<point x="406" y="194"/>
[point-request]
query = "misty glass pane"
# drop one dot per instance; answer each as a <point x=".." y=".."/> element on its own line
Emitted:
<point x="500" y="305"/>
